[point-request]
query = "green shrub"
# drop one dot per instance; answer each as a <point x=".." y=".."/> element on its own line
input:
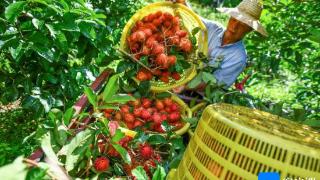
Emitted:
<point x="50" y="49"/>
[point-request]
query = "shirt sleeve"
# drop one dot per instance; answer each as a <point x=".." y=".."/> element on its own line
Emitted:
<point x="229" y="71"/>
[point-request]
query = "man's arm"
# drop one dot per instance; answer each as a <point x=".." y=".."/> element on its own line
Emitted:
<point x="229" y="72"/>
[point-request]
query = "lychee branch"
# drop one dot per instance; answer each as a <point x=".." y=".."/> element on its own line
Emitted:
<point x="134" y="59"/>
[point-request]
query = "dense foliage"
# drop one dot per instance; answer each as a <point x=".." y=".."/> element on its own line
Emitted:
<point x="292" y="45"/>
<point x="49" y="49"/>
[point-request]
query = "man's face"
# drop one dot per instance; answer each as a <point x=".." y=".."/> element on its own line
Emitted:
<point x="237" y="28"/>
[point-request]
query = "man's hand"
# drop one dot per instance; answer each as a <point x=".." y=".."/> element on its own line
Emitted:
<point x="179" y="89"/>
<point x="178" y="1"/>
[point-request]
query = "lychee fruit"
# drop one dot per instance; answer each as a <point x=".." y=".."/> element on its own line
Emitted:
<point x="101" y="164"/>
<point x="128" y="117"/>
<point x="145" y="114"/>
<point x="146" y="151"/>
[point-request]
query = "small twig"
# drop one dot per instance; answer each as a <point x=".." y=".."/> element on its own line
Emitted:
<point x="134" y="59"/>
<point x="34" y="163"/>
<point x="159" y="152"/>
<point x="141" y="120"/>
<point x="85" y="125"/>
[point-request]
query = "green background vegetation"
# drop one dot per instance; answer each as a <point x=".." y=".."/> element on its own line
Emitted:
<point x="50" y="50"/>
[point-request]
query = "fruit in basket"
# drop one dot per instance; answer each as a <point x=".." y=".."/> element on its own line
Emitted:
<point x="146" y="151"/>
<point x="148" y="113"/>
<point x="160" y="37"/>
<point x="101" y="164"/>
<point x="129" y="118"/>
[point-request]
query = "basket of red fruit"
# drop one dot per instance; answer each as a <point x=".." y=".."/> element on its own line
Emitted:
<point x="153" y="115"/>
<point x="166" y="38"/>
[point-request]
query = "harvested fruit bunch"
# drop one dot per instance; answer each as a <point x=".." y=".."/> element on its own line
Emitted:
<point x="153" y="37"/>
<point x="140" y="154"/>
<point x="148" y="114"/>
<point x="144" y="156"/>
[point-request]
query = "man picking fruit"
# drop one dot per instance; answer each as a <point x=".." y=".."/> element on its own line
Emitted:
<point x="226" y="44"/>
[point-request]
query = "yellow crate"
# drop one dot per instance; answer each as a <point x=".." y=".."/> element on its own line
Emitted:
<point x="234" y="142"/>
<point x="190" y="21"/>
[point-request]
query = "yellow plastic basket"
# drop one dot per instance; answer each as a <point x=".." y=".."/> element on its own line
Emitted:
<point x="190" y="21"/>
<point x="194" y="110"/>
<point x="234" y="142"/>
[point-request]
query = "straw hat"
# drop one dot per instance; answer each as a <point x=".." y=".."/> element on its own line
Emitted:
<point x="249" y="12"/>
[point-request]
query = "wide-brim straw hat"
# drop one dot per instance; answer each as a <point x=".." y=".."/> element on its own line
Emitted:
<point x="249" y="12"/>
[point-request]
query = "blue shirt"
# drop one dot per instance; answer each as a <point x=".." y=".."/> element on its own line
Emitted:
<point x="234" y="56"/>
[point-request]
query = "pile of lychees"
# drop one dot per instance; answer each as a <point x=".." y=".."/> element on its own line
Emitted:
<point x="148" y="111"/>
<point x="143" y="155"/>
<point x="154" y="36"/>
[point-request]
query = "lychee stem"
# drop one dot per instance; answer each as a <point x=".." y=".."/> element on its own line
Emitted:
<point x="135" y="60"/>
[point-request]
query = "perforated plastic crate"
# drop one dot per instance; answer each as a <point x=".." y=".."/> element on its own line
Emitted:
<point x="234" y="142"/>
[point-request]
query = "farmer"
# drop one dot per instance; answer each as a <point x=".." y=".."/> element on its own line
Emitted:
<point x="226" y="44"/>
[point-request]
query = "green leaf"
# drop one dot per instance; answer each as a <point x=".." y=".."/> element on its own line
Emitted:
<point x="111" y="88"/>
<point x="193" y="40"/>
<point x="207" y="77"/>
<point x="195" y="30"/>
<point x="13" y="10"/>
<point x="80" y="140"/>
<point x="195" y="81"/>
<point x="123" y="152"/>
<point x="68" y="116"/>
<point x="109" y="106"/>
<point x="178" y="67"/>
<point x="37" y="174"/>
<point x="144" y="60"/>
<point x="15" y="170"/>
<point x="140" y="173"/>
<point x="87" y="29"/>
<point x="177" y="143"/>
<point x="11" y="94"/>
<point x="50" y="78"/>
<point x="17" y="52"/>
<point x="315" y="35"/>
<point x="175" y="161"/>
<point x="156" y="139"/>
<point x="52" y="30"/>
<point x="163" y="95"/>
<point x="36" y="23"/>
<point x="159" y="174"/>
<point x="62" y="42"/>
<point x="144" y="87"/>
<point x="47" y="148"/>
<point x="117" y="169"/>
<point x="45" y="53"/>
<point x="124" y="66"/>
<point x="68" y="23"/>
<point x="61" y="134"/>
<point x="312" y="122"/>
<point x="92" y="97"/>
<point x="122" y="99"/>
<point x="118" y="136"/>
<point x="192" y="120"/>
